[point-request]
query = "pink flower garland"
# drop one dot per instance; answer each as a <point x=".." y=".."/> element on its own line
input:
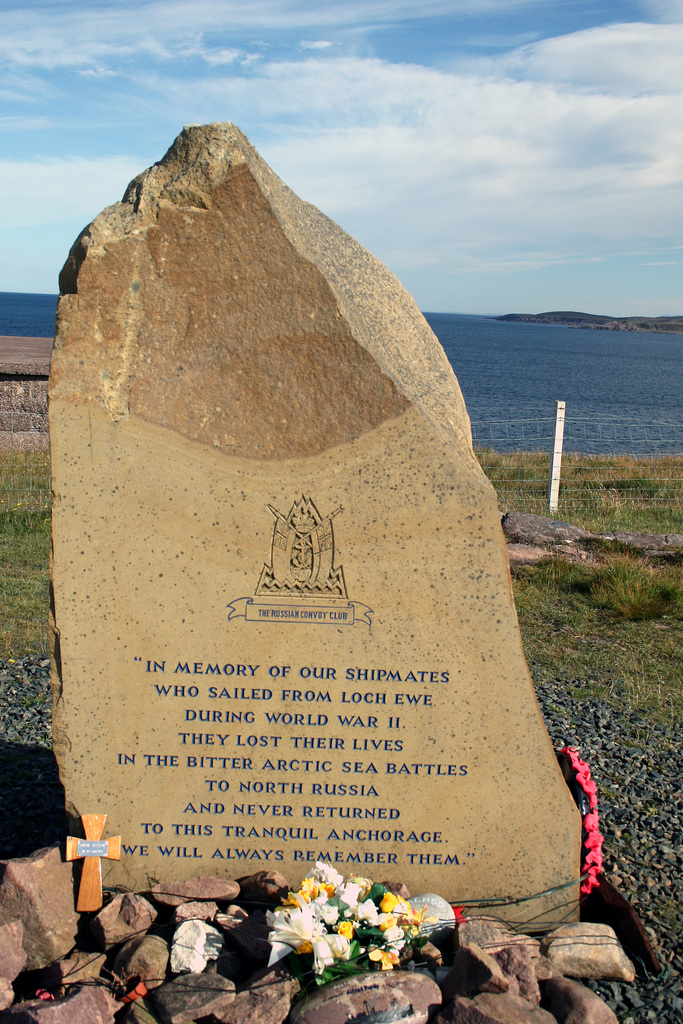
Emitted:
<point x="592" y="839"/>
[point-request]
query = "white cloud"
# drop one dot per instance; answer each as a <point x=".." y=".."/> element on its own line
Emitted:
<point x="315" y="44"/>
<point x="615" y="58"/>
<point x="54" y="191"/>
<point x="225" y="56"/>
<point x="71" y="33"/>
<point x="461" y="170"/>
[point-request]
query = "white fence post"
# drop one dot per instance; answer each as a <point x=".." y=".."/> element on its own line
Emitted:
<point x="556" y="457"/>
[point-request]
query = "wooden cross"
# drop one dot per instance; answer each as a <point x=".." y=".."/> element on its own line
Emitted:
<point x="91" y="849"/>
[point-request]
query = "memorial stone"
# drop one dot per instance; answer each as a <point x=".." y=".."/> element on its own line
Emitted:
<point x="283" y="621"/>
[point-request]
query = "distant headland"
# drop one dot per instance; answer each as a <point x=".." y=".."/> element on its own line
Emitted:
<point x="594" y="322"/>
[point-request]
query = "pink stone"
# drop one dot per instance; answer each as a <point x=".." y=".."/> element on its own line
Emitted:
<point x="87" y="1005"/>
<point x="473" y="971"/>
<point x="573" y="1003"/>
<point x="264" y="885"/>
<point x="39" y="891"/>
<point x="172" y="894"/>
<point x="12" y="953"/>
<point x="127" y="915"/>
<point x="517" y="966"/>
<point x="489" y="1008"/>
<point x="202" y="911"/>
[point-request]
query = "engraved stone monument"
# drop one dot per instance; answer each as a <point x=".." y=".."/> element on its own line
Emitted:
<point x="284" y="627"/>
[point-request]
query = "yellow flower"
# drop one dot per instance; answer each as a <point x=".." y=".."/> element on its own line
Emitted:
<point x="305" y="947"/>
<point x="385" y="957"/>
<point x="419" y="917"/>
<point x="345" y="929"/>
<point x="328" y="888"/>
<point x="309" y="889"/>
<point x="290" y="900"/>
<point x="389" y="902"/>
<point x="388" y="922"/>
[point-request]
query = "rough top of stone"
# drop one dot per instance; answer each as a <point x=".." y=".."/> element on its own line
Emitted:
<point x="213" y="177"/>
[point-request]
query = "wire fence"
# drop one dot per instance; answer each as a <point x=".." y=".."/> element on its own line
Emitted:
<point x="605" y="465"/>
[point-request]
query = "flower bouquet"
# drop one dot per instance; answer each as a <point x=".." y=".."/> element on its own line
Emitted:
<point x="331" y="928"/>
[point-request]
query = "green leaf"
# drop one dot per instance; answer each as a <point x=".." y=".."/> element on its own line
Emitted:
<point x="377" y="893"/>
<point x="366" y="934"/>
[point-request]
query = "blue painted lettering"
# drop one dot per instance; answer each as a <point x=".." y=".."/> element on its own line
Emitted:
<point x="358" y="766"/>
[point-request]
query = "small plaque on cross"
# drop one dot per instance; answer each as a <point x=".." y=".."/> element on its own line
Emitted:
<point x="90" y="850"/>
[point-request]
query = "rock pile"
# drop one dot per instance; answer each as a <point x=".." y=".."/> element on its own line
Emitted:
<point x="198" y="951"/>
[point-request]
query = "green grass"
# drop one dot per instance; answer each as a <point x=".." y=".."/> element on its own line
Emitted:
<point x="24" y="583"/>
<point x="600" y="493"/>
<point x="24" y="482"/>
<point x="617" y="625"/>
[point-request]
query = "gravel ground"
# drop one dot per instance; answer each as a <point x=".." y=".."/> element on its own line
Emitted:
<point x="635" y="763"/>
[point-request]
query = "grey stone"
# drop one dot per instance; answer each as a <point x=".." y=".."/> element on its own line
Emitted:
<point x="473" y="971"/>
<point x="194" y="944"/>
<point x="406" y="996"/>
<point x="145" y="957"/>
<point x="231" y="965"/>
<point x="172" y="894"/>
<point x="572" y="1003"/>
<point x="266" y="999"/>
<point x="191" y="996"/>
<point x="39" y="891"/>
<point x="585" y="950"/>
<point x="86" y="1005"/>
<point x="126" y="916"/>
<point x="525" y="528"/>
<point x="249" y="934"/>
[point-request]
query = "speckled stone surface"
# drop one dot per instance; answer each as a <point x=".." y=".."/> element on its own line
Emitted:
<point x="284" y="620"/>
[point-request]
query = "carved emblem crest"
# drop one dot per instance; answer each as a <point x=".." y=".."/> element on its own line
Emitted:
<point x="302" y="555"/>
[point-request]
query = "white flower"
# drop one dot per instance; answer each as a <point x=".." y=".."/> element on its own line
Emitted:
<point x="322" y="954"/>
<point x="349" y="894"/>
<point x="329" y="913"/>
<point x="326" y="874"/>
<point x="339" y="946"/>
<point x="367" y="911"/>
<point x="290" y="927"/>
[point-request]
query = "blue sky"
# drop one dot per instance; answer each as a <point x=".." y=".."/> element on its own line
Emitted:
<point x="497" y="155"/>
